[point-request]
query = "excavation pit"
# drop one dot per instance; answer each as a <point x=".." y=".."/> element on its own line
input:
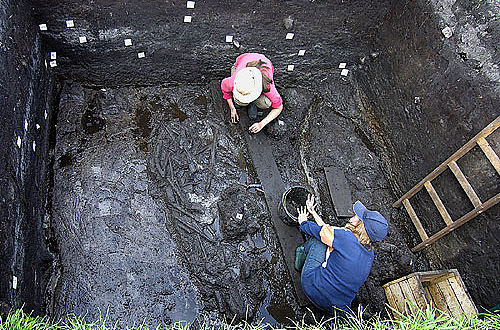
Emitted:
<point x="132" y="198"/>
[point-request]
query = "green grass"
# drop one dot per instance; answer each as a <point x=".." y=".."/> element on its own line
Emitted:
<point x="422" y="320"/>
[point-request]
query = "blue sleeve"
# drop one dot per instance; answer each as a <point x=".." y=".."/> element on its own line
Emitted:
<point x="311" y="228"/>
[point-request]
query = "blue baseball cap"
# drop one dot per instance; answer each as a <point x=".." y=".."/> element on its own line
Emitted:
<point x="375" y="224"/>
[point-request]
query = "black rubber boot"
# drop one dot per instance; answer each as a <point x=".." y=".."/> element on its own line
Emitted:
<point x="252" y="111"/>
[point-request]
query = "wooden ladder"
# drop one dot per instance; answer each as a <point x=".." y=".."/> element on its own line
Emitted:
<point x="479" y="206"/>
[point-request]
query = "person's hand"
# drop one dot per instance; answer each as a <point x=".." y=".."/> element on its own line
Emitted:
<point x="255" y="128"/>
<point x="302" y="214"/>
<point x="310" y="203"/>
<point x="234" y="116"/>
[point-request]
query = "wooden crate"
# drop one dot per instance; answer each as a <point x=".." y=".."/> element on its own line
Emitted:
<point x="442" y="289"/>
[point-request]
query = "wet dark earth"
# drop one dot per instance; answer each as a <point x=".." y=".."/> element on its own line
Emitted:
<point x="152" y="215"/>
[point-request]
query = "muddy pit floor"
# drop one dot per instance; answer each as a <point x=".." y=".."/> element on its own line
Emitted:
<point x="147" y="188"/>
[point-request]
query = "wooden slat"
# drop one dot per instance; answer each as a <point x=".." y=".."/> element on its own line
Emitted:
<point x="459" y="153"/>
<point x="429" y="296"/>
<point x="432" y="274"/>
<point x="439" y="204"/>
<point x="473" y="309"/>
<point x="466" y="303"/>
<point x="438" y="298"/>
<point x="465" y="184"/>
<point x="391" y="300"/>
<point x="418" y="292"/>
<point x="450" y="298"/>
<point x="490" y="153"/>
<point x="410" y="301"/>
<point x="398" y="298"/>
<point x="483" y="207"/>
<point x="415" y="220"/>
<point x="439" y="278"/>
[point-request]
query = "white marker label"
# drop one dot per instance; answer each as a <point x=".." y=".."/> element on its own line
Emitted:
<point x="70" y="23"/>
<point x="19" y="142"/>
<point x="229" y="38"/>
<point x="342" y="65"/>
<point x="128" y="42"/>
<point x="289" y="36"/>
<point x="190" y="4"/>
<point x="187" y="19"/>
<point x="302" y="52"/>
<point x="53" y="64"/>
<point x="290" y="67"/>
<point x="239" y="216"/>
<point x="141" y="55"/>
<point x="82" y="39"/>
<point x="43" y="27"/>
<point x="344" y="72"/>
<point x="14" y="282"/>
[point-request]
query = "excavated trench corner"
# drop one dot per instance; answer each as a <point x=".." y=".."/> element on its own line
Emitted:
<point x="124" y="183"/>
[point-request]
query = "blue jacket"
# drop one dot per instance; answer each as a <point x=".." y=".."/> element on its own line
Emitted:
<point x="347" y="268"/>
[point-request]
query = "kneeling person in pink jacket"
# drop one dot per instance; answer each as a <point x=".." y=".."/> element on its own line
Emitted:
<point x="251" y="84"/>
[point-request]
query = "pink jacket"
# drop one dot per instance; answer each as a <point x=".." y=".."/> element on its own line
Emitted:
<point x="227" y="84"/>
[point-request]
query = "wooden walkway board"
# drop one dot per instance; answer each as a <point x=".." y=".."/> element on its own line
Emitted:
<point x="260" y="149"/>
<point x="339" y="191"/>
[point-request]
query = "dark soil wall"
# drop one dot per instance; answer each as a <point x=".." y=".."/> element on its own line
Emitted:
<point x="327" y="30"/>
<point x="424" y="96"/>
<point x="24" y="89"/>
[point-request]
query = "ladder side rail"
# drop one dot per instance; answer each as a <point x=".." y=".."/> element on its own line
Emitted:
<point x="465" y="218"/>
<point x="459" y="153"/>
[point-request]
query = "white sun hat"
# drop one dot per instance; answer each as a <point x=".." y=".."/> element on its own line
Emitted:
<point x="247" y="85"/>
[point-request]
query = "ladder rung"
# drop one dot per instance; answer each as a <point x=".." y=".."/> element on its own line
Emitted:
<point x="439" y="204"/>
<point x="415" y="220"/>
<point x="465" y="184"/>
<point x="490" y="153"/>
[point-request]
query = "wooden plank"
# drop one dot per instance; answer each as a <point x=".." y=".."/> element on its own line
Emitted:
<point x="339" y="191"/>
<point x="396" y="281"/>
<point x="438" y="298"/>
<point x="472" y="214"/>
<point x="410" y="301"/>
<point x="415" y="220"/>
<point x="439" y="204"/>
<point x="432" y="274"/>
<point x="465" y="184"/>
<point x="450" y="298"/>
<point x="429" y="296"/>
<point x="473" y="309"/>
<point x="466" y="303"/>
<point x="260" y="150"/>
<point x="418" y="292"/>
<point x="391" y="300"/>
<point x="490" y="153"/>
<point x="398" y="298"/>
<point x="431" y="280"/>
<point x="459" y="153"/>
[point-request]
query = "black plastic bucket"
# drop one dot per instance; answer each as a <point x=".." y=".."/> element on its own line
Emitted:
<point x="293" y="198"/>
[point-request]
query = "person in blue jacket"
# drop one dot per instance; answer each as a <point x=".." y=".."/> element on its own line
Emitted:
<point x="338" y="259"/>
